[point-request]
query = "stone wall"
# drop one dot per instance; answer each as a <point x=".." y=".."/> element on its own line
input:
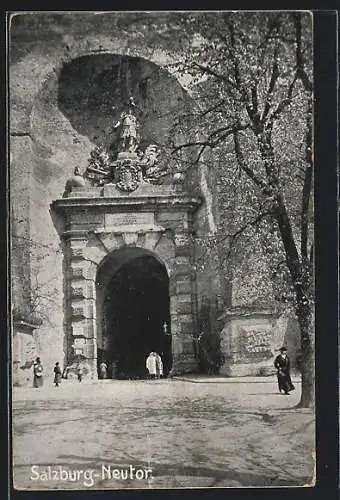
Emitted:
<point x="211" y="290"/>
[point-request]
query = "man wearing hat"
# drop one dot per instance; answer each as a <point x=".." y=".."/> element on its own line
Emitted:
<point x="282" y="364"/>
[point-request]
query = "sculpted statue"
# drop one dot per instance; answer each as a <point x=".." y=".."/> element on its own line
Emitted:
<point x="131" y="166"/>
<point x="150" y="161"/>
<point x="150" y="156"/>
<point x="76" y="181"/>
<point x="99" y="159"/>
<point x="128" y="137"/>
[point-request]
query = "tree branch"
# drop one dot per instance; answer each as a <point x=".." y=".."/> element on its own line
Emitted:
<point x="212" y="143"/>
<point x="307" y="189"/>
<point x="214" y="73"/>
<point x="273" y="79"/>
<point x="300" y="63"/>
<point x="299" y="74"/>
<point x="250" y="223"/>
<point x="213" y="108"/>
<point x="285" y="102"/>
<point x="273" y="24"/>
<point x="237" y="73"/>
<point x="254" y="98"/>
<point x="190" y="144"/>
<point x="234" y="59"/>
<point x="200" y="154"/>
<point x="286" y="232"/>
<point x="233" y="237"/>
<point x="242" y="164"/>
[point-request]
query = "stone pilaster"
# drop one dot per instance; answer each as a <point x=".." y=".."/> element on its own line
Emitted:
<point x="183" y="307"/>
<point x="81" y="304"/>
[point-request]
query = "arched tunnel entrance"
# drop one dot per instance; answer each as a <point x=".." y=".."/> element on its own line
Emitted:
<point x="133" y="313"/>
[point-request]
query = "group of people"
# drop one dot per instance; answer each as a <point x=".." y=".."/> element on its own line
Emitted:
<point x="38" y="379"/>
<point x="154" y="365"/>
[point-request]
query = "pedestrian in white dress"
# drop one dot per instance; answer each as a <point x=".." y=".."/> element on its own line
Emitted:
<point x="154" y="365"/>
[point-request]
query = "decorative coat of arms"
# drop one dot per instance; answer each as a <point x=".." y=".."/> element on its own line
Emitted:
<point x="128" y="176"/>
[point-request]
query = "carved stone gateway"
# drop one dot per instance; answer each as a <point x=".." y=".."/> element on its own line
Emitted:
<point x="102" y="221"/>
<point x="119" y="213"/>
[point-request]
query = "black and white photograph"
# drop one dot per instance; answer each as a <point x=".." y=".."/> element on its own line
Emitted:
<point x="162" y="278"/>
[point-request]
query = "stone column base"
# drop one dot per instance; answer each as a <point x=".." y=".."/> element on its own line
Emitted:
<point x="183" y="365"/>
<point x="24" y="352"/>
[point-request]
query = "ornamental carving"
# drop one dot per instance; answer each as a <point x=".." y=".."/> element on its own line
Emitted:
<point x="153" y="167"/>
<point x="78" y="311"/>
<point x="257" y="343"/>
<point x="130" y="165"/>
<point x="129" y="169"/>
<point x="99" y="170"/>
<point x="77" y="272"/>
<point x="77" y="292"/>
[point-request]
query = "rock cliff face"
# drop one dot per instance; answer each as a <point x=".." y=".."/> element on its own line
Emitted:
<point x="70" y="75"/>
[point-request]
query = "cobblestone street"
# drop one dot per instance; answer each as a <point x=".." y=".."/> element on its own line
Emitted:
<point x="190" y="432"/>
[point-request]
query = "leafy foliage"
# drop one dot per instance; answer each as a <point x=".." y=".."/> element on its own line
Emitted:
<point x="251" y="76"/>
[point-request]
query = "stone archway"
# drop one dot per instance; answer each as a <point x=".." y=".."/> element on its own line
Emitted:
<point x="133" y="304"/>
<point x="155" y="220"/>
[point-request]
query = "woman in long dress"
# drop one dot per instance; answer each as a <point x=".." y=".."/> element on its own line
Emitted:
<point x="282" y="364"/>
<point x="57" y="374"/>
<point x="37" y="374"/>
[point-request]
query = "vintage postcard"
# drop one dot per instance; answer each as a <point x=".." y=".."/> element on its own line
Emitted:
<point x="162" y="249"/>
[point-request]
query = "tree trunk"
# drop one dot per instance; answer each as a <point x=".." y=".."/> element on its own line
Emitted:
<point x="307" y="383"/>
<point x="301" y="282"/>
<point x="307" y="362"/>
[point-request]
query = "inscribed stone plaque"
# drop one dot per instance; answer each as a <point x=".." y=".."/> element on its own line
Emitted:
<point x="129" y="219"/>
